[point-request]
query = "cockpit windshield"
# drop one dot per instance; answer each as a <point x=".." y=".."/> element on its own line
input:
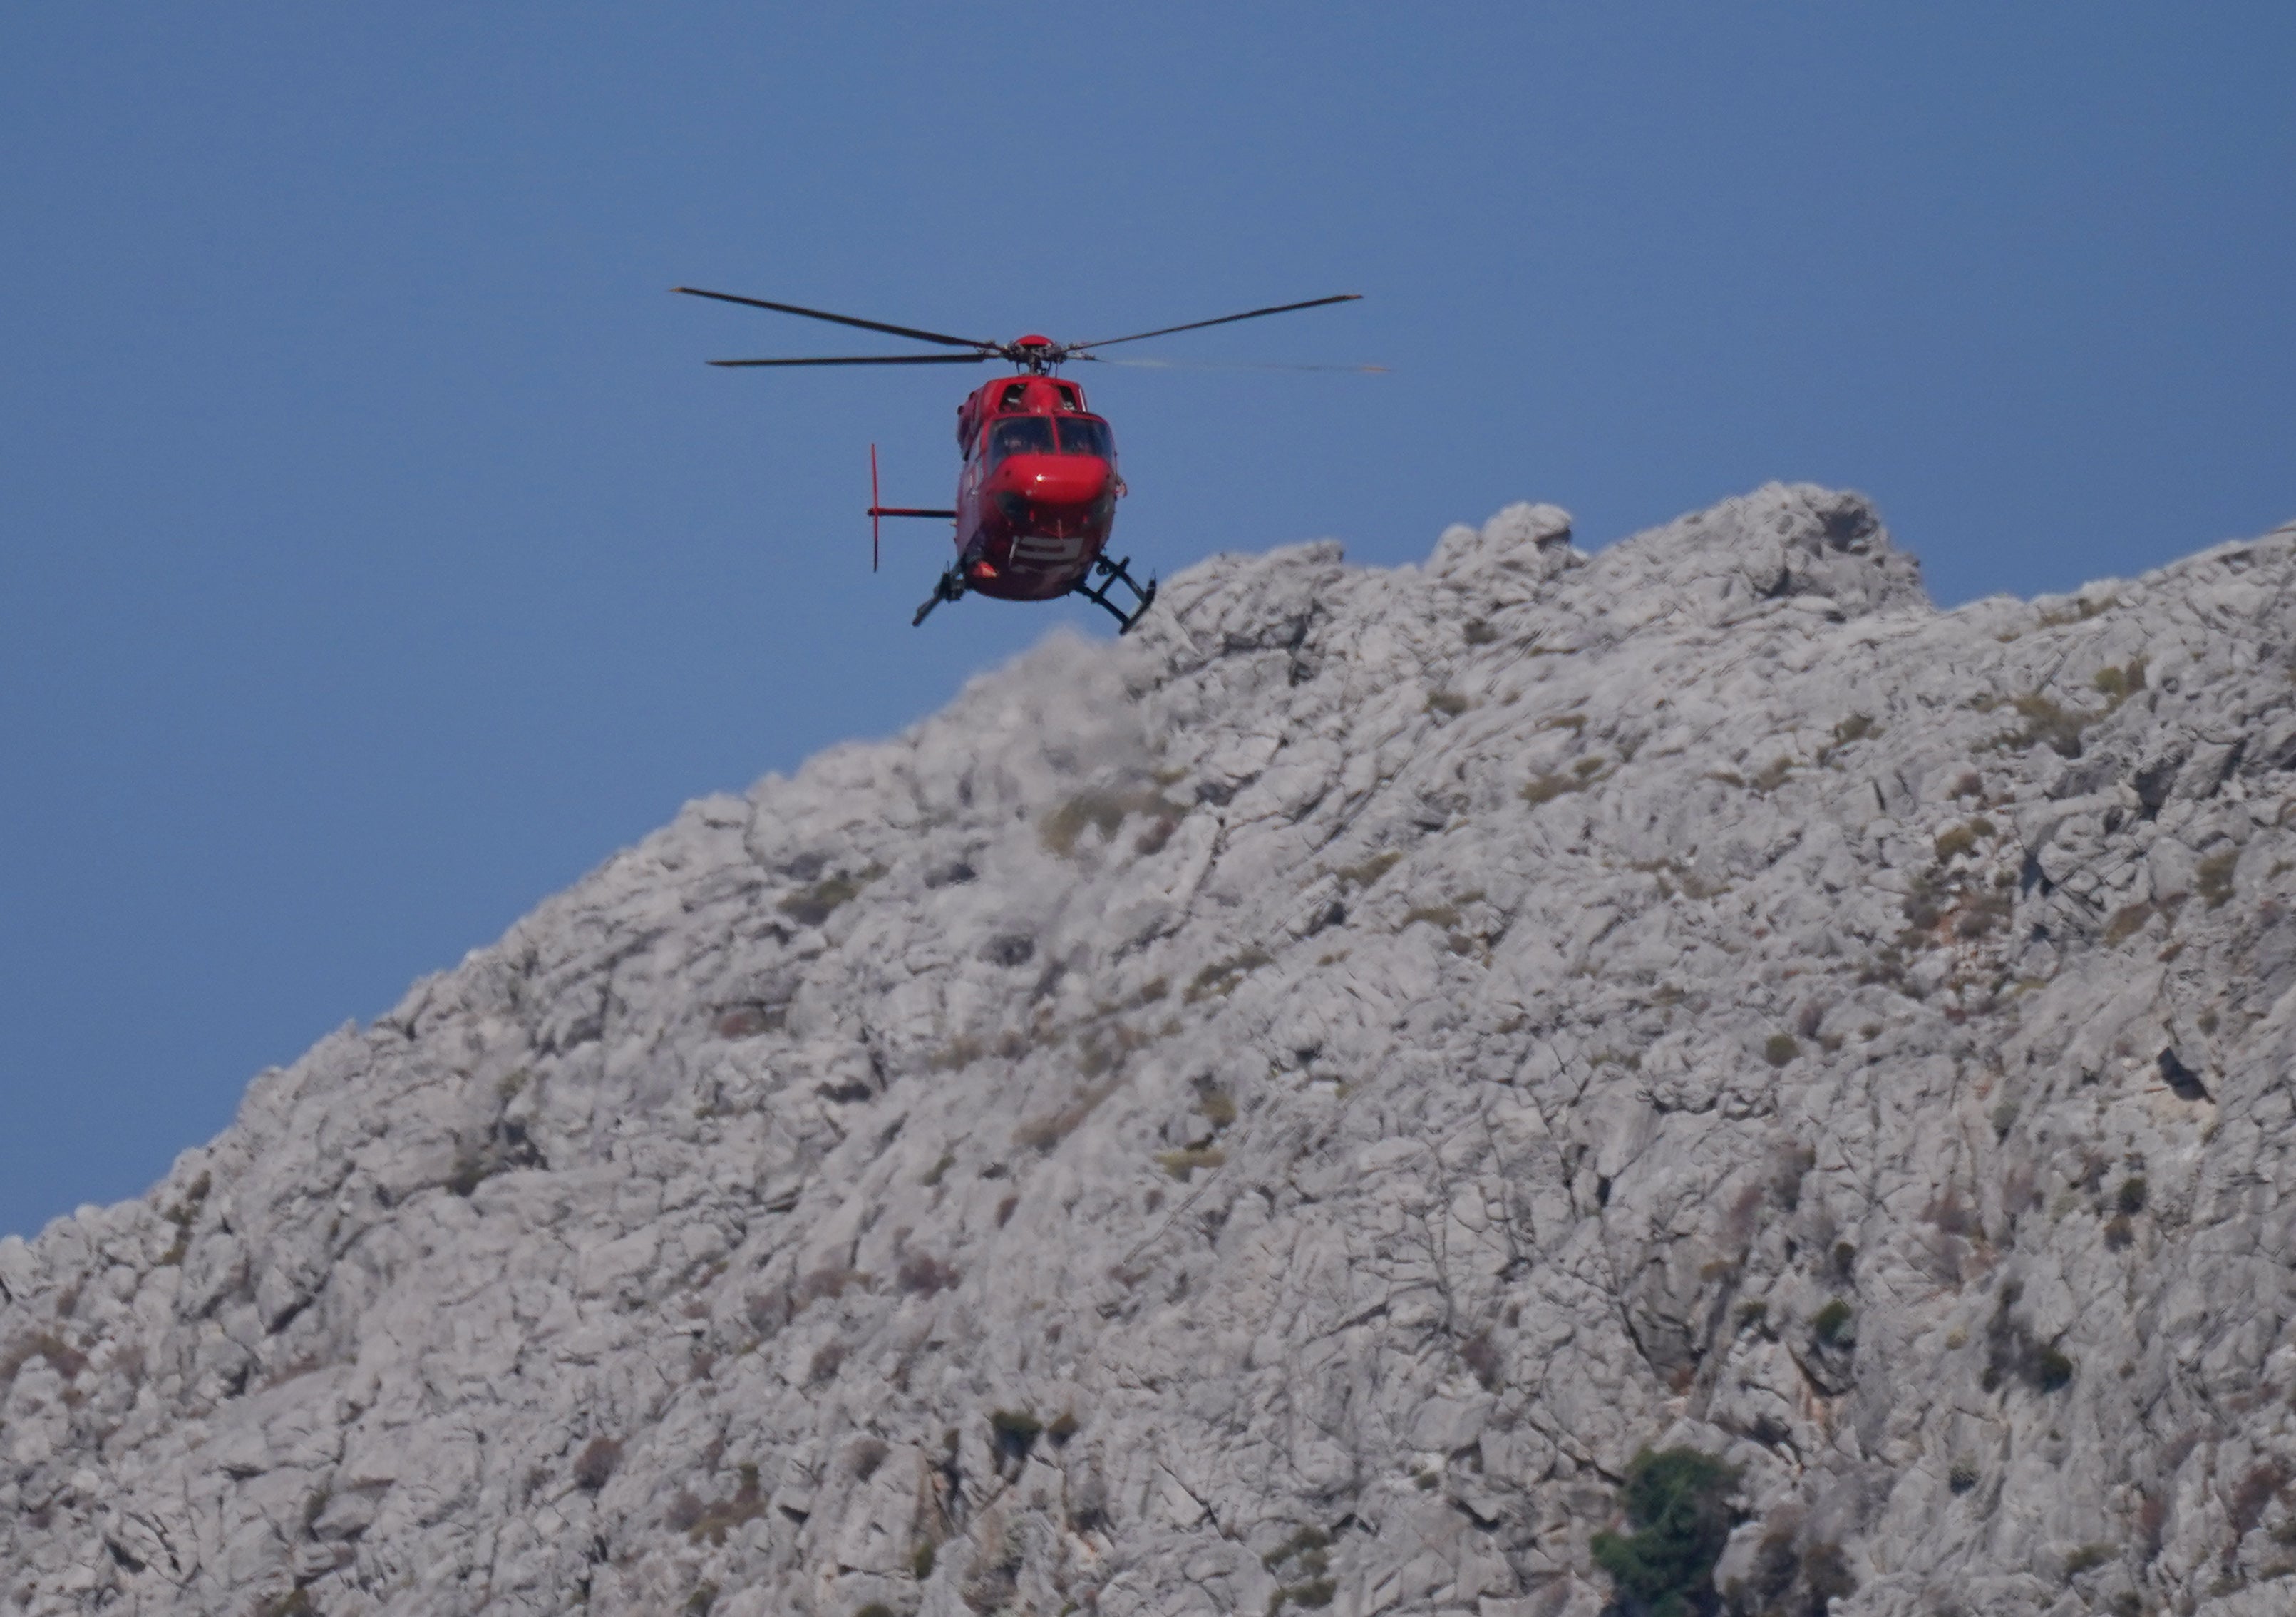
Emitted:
<point x="1019" y="435"/>
<point x="1038" y="435"/>
<point x="1082" y="436"/>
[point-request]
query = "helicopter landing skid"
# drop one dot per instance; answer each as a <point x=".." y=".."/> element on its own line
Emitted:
<point x="1115" y="573"/>
<point x="950" y="587"/>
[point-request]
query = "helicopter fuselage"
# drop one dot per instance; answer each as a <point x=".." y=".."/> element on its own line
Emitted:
<point x="1037" y="498"/>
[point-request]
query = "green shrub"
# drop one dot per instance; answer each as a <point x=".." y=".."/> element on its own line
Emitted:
<point x="473" y="1166"/>
<point x="921" y="1560"/>
<point x="2127" y="921"/>
<point x="1181" y="1164"/>
<point x="68" y="1360"/>
<point x="1780" y="1048"/>
<point x="2130" y="1198"/>
<point x="1306" y="1541"/>
<point x="2047" y="722"/>
<point x="714" y="1521"/>
<point x="2213" y="879"/>
<point x="596" y="1465"/>
<point x="1103" y="810"/>
<point x="1546" y="788"/>
<point x="1045" y="1134"/>
<point x="1678" y="1503"/>
<point x="2088" y="1557"/>
<point x="1370" y="870"/>
<point x="1831" y="1323"/>
<point x="1219" y="980"/>
<point x="811" y="906"/>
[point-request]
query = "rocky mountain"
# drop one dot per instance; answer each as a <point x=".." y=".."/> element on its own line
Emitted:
<point x="1279" y="1113"/>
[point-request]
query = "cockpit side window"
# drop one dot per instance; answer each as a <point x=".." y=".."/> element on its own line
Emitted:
<point x="1080" y="435"/>
<point x="1019" y="435"/>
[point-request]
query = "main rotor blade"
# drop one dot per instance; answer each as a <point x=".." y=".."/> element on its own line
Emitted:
<point x="869" y="359"/>
<point x="1249" y="314"/>
<point x="1221" y="365"/>
<point x="815" y="313"/>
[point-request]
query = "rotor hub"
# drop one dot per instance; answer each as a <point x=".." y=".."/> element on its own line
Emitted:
<point x="1037" y="353"/>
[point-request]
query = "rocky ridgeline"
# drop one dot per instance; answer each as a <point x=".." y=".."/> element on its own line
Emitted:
<point x="1276" y="1114"/>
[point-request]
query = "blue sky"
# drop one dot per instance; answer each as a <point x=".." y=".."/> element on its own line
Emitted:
<point x="376" y="554"/>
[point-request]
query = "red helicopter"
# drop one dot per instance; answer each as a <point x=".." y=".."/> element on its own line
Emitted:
<point x="1037" y="495"/>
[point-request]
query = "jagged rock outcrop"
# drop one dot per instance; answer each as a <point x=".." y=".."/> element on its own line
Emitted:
<point x="1279" y="1111"/>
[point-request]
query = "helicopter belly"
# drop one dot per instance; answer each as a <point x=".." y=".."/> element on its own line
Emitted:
<point x="1045" y="552"/>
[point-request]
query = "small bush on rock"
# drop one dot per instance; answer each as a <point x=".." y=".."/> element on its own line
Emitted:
<point x="1309" y="1541"/>
<point x="1480" y="1355"/>
<point x="1181" y="1164"/>
<point x="1677" y="1501"/>
<point x="2213" y="879"/>
<point x="921" y="1274"/>
<point x="1546" y="788"/>
<point x="2046" y="722"/>
<point x="717" y="1520"/>
<point x="2012" y="1350"/>
<point x="812" y="906"/>
<point x="1218" y="981"/>
<point x="594" y="1465"/>
<point x="1016" y="1431"/>
<point x="1102" y="810"/>
<point x="1787" y="1581"/>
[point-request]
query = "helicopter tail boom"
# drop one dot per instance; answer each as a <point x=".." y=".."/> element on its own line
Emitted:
<point x="876" y="511"/>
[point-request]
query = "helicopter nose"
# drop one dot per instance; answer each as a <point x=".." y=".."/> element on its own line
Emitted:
<point x="1067" y="479"/>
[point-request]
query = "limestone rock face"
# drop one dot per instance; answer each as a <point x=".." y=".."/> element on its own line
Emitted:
<point x="1279" y="1111"/>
